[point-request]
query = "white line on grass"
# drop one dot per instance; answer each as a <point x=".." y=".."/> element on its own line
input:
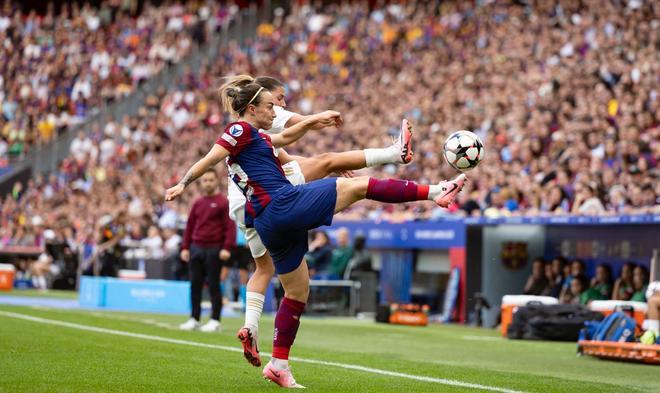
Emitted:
<point x="442" y="381"/>
<point x="481" y="338"/>
<point x="147" y="321"/>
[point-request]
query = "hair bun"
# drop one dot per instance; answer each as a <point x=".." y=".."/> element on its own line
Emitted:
<point x="232" y="92"/>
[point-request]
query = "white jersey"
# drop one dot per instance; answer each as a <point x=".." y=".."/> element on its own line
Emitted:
<point x="234" y="194"/>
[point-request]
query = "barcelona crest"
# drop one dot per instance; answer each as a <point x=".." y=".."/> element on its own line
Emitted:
<point x="514" y="255"/>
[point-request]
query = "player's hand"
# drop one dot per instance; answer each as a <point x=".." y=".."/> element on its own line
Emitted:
<point x="173" y="192"/>
<point x="347" y="174"/>
<point x="328" y="118"/>
<point x="185" y="255"/>
<point x="224" y="255"/>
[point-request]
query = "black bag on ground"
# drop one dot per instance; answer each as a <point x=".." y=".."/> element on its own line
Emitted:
<point x="550" y="322"/>
<point x="383" y="313"/>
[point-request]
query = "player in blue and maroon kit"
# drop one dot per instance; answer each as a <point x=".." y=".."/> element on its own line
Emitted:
<point x="283" y="213"/>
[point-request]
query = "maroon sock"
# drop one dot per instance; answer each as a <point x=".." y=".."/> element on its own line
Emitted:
<point x="396" y="191"/>
<point x="287" y="321"/>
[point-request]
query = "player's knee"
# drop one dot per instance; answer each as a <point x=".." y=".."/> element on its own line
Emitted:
<point x="266" y="269"/>
<point x="264" y="265"/>
<point x="301" y="296"/>
<point x="360" y="185"/>
<point x="299" y="293"/>
<point x="356" y="187"/>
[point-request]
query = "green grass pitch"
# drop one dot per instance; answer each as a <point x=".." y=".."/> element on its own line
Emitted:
<point x="42" y="357"/>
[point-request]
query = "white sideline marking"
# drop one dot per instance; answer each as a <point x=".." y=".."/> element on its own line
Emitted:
<point x="481" y="338"/>
<point x="147" y="321"/>
<point x="441" y="381"/>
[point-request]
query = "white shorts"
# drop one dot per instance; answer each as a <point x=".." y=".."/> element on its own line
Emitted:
<point x="294" y="174"/>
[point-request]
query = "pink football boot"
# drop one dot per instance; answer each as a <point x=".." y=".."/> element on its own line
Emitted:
<point x="450" y="189"/>
<point x="284" y="378"/>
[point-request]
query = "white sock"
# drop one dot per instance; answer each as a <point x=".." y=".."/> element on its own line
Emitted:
<point x="653" y="325"/>
<point x="382" y="156"/>
<point x="280" y="364"/>
<point x="434" y="191"/>
<point x="254" y="305"/>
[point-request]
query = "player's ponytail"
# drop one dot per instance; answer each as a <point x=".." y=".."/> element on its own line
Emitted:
<point x="236" y="100"/>
<point x="230" y="89"/>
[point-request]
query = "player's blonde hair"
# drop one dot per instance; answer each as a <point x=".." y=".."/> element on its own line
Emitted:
<point x="232" y="85"/>
<point x="229" y="90"/>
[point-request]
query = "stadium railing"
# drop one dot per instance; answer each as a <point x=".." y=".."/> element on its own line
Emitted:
<point x="325" y="296"/>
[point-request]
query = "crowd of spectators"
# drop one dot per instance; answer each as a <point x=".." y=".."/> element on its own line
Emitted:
<point x="59" y="67"/>
<point x="568" y="282"/>
<point x="564" y="96"/>
<point x="563" y="93"/>
<point x="107" y="196"/>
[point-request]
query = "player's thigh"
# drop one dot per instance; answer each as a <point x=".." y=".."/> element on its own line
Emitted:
<point x="254" y="243"/>
<point x="314" y="205"/>
<point x="296" y="283"/>
<point x="350" y="190"/>
<point x="316" y="167"/>
<point x="287" y="247"/>
<point x="303" y="207"/>
<point x="264" y="264"/>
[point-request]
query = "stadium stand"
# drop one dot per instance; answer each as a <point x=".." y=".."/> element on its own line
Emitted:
<point x="570" y="126"/>
<point x="570" y="121"/>
<point x="59" y="68"/>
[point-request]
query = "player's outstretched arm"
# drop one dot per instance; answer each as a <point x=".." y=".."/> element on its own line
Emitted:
<point x="215" y="155"/>
<point x="297" y="118"/>
<point x="292" y="134"/>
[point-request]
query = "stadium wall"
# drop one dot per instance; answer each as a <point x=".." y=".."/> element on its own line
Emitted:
<point x="506" y="254"/>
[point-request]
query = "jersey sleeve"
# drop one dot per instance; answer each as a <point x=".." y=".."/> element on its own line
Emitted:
<point x="235" y="137"/>
<point x="282" y="116"/>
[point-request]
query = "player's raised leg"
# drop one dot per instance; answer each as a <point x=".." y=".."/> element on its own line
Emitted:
<point x="322" y="165"/>
<point x="352" y="190"/>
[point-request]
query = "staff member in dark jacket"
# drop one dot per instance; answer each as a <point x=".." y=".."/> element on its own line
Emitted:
<point x="209" y="237"/>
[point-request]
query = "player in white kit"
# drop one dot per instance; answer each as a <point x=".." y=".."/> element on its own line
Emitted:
<point x="298" y="170"/>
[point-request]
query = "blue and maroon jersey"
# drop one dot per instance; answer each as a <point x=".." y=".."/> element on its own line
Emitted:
<point x="252" y="165"/>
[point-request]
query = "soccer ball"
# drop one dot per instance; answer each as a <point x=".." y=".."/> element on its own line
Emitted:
<point x="464" y="150"/>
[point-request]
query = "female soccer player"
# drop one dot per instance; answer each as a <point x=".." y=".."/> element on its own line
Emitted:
<point x="283" y="213"/>
<point x="298" y="170"/>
